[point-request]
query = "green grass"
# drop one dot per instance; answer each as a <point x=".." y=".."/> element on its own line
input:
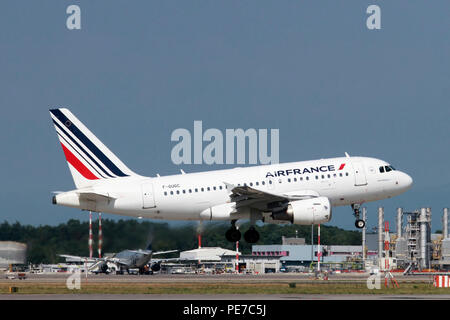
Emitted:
<point x="323" y="287"/>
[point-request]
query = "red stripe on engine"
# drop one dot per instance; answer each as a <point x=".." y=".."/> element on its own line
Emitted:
<point x="342" y="166"/>
<point x="77" y="164"/>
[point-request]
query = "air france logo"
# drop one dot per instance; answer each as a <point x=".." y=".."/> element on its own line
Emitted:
<point x="284" y="173"/>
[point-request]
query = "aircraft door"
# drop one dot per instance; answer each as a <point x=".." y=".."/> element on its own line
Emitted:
<point x="360" y="175"/>
<point x="148" y="197"/>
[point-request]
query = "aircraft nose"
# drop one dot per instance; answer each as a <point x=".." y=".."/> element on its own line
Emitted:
<point x="406" y="181"/>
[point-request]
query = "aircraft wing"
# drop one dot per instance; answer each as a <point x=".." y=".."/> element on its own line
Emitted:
<point x="164" y="260"/>
<point x="164" y="252"/>
<point x="245" y="196"/>
<point x="79" y="259"/>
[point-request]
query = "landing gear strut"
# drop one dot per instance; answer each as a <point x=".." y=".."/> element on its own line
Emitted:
<point x="358" y="223"/>
<point x="233" y="234"/>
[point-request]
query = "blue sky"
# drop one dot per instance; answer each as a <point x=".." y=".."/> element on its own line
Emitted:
<point x="138" y="70"/>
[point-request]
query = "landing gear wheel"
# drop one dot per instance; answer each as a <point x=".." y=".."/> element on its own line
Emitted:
<point x="233" y="235"/>
<point x="251" y="235"/>
<point x="360" y="224"/>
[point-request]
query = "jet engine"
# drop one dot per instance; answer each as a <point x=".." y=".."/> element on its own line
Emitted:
<point x="305" y="212"/>
<point x="155" y="267"/>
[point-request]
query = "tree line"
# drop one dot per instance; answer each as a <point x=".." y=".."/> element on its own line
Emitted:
<point x="44" y="243"/>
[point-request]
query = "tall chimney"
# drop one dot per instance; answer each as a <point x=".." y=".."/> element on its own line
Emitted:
<point x="364" y="215"/>
<point x="423" y="238"/>
<point x="445" y="223"/>
<point x="380" y="232"/>
<point x="399" y="222"/>
<point x="100" y="235"/>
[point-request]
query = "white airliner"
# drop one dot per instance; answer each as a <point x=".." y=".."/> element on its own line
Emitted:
<point x="298" y="192"/>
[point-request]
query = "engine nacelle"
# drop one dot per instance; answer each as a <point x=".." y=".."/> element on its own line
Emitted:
<point x="306" y="212"/>
<point x="155" y="267"/>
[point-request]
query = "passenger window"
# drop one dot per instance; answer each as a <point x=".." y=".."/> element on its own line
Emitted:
<point x="220" y="187"/>
<point x="190" y="190"/>
<point x="196" y="190"/>
<point x="178" y="191"/>
<point x="307" y="178"/>
<point x="208" y="189"/>
<point x="165" y="193"/>
<point x="171" y="192"/>
<point x="289" y="179"/>
<point x="257" y="183"/>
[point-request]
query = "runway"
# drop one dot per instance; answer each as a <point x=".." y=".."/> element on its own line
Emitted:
<point x="219" y="297"/>
<point x="272" y="286"/>
<point x="212" y="278"/>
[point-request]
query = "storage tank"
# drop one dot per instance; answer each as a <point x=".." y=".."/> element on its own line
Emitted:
<point x="12" y="253"/>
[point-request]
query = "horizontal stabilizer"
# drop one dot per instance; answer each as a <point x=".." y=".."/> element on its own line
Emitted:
<point x="94" y="196"/>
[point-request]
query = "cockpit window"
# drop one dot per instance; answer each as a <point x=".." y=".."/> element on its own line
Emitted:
<point x="386" y="169"/>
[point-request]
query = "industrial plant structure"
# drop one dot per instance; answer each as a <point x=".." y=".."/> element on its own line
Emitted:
<point x="12" y="253"/>
<point x="413" y="246"/>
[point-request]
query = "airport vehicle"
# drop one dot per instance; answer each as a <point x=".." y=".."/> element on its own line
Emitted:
<point x="125" y="260"/>
<point x="298" y="192"/>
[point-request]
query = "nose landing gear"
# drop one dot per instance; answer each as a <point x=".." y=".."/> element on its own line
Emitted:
<point x="358" y="223"/>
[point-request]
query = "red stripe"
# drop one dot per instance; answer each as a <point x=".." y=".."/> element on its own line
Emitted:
<point x="77" y="164"/>
<point x="342" y="166"/>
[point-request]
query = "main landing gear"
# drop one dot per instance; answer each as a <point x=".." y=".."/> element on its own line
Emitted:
<point x="233" y="234"/>
<point x="358" y="223"/>
<point x="251" y="235"/>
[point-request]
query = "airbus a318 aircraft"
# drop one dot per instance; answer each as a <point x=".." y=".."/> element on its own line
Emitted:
<point x="301" y="193"/>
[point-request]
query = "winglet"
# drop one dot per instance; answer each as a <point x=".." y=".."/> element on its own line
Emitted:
<point x="346" y="154"/>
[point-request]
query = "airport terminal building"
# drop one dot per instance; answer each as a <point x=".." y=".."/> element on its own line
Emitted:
<point x="291" y="255"/>
<point x="294" y="254"/>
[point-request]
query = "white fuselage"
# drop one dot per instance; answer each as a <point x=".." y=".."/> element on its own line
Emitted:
<point x="344" y="181"/>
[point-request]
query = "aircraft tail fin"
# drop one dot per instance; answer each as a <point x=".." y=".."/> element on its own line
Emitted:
<point x="88" y="158"/>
